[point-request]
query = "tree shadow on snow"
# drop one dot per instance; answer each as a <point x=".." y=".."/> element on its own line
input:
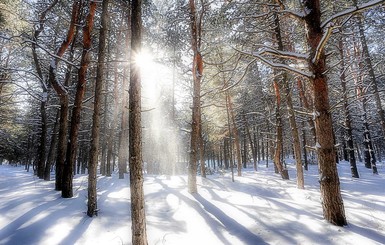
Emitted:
<point x="26" y="230"/>
<point x="232" y="226"/>
<point x="368" y="233"/>
<point x="214" y="224"/>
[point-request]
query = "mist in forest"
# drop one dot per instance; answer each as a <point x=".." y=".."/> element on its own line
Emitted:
<point x="161" y="136"/>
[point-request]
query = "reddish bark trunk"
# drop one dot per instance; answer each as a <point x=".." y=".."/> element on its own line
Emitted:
<point x="332" y="204"/>
<point x="67" y="190"/>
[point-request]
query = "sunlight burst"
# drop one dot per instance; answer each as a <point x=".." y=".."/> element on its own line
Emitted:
<point x="144" y="60"/>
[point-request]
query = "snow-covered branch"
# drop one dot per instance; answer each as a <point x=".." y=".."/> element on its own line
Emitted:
<point x="304" y="113"/>
<point x="352" y="10"/>
<point x="295" y="14"/>
<point x="323" y="41"/>
<point x="241" y="78"/>
<point x="290" y="13"/>
<point x="284" y="54"/>
<point x="53" y="55"/>
<point x="278" y="65"/>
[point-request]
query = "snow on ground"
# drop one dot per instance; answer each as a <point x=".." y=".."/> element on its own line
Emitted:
<point x="258" y="208"/>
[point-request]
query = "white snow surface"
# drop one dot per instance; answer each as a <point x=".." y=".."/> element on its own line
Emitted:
<point x="258" y="208"/>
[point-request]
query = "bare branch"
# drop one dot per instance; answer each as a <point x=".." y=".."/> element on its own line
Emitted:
<point x="241" y="78"/>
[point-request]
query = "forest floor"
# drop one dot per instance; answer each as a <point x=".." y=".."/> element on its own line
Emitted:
<point x="258" y="208"/>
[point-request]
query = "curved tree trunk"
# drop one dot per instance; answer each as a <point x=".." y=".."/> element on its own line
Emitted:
<point x="63" y="94"/>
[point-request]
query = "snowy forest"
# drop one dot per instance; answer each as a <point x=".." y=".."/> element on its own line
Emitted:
<point x="192" y="121"/>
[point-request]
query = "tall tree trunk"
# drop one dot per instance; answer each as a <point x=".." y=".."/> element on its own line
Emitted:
<point x="304" y="147"/>
<point x="43" y="135"/>
<point x="290" y="108"/>
<point x="201" y="148"/>
<point x="332" y="204"/>
<point x="51" y="153"/>
<point x="369" y="157"/>
<point x="372" y="76"/>
<point x="68" y="171"/>
<point x="253" y="149"/>
<point x="111" y="130"/>
<point x="103" y="160"/>
<point x="123" y="137"/>
<point x="197" y="72"/>
<point x="234" y="131"/>
<point x="112" y="127"/>
<point x="225" y="153"/>
<point x="245" y="151"/>
<point x="279" y="137"/>
<point x="295" y="135"/>
<point x="347" y="118"/>
<point x="92" y="205"/>
<point x="305" y="103"/>
<point x="230" y="144"/>
<point x="63" y="93"/>
<point x="44" y="98"/>
<point x="139" y="236"/>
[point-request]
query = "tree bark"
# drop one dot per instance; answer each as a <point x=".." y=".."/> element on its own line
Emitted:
<point x="63" y="94"/>
<point x="332" y="204"/>
<point x="290" y="109"/>
<point x="197" y="72"/>
<point x="247" y="128"/>
<point x="349" y="149"/>
<point x="368" y="152"/>
<point x="295" y="135"/>
<point x="139" y="236"/>
<point x="68" y="171"/>
<point x="44" y="100"/>
<point x="111" y="130"/>
<point x="369" y="156"/>
<point x="279" y="137"/>
<point x="230" y="144"/>
<point x="201" y="149"/>
<point x="305" y="103"/>
<point x="51" y="154"/>
<point x="92" y="205"/>
<point x="236" y="136"/>
<point x="43" y="137"/>
<point x="124" y="132"/>
<point x="372" y="75"/>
